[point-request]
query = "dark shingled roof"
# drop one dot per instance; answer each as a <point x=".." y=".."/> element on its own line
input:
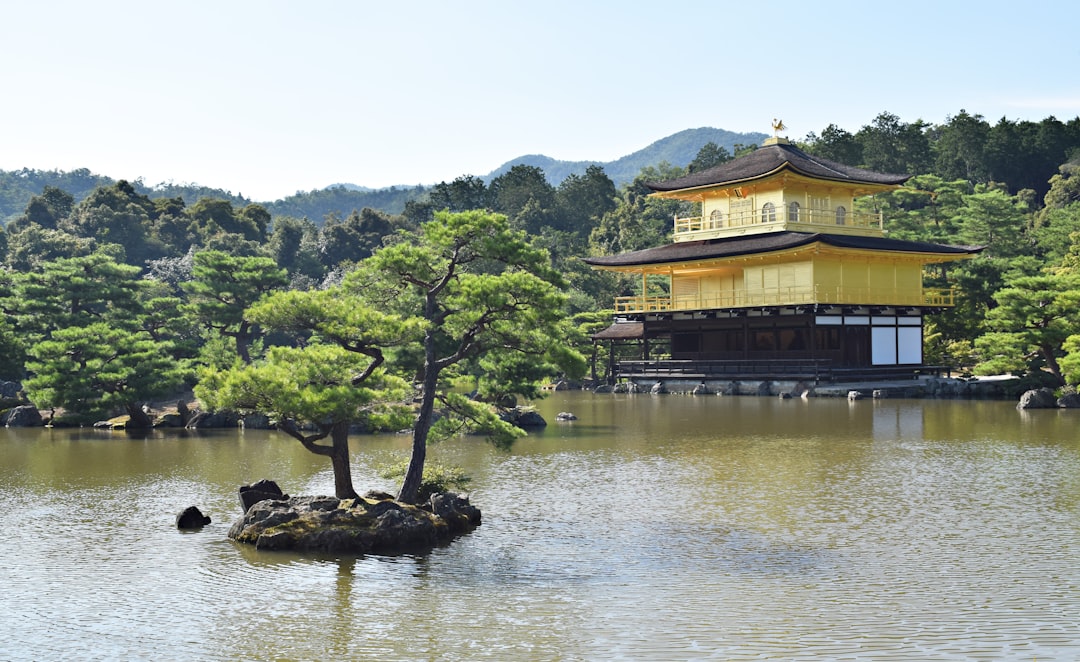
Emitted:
<point x="764" y="243"/>
<point x="621" y="331"/>
<point x="770" y="158"/>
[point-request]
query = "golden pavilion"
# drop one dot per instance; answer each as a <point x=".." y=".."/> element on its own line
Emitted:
<point x="779" y="276"/>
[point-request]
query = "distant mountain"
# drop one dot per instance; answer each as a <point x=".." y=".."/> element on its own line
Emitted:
<point x="555" y="170"/>
<point x="352" y="187"/>
<point x="678" y="149"/>
<point x="17" y="187"/>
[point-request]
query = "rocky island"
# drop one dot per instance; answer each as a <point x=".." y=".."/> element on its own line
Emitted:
<point x="374" y="523"/>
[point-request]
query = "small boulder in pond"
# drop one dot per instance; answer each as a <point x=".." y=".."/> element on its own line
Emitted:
<point x="191" y="518"/>
<point x="523" y="417"/>
<point x="24" y="416"/>
<point x="1039" y="398"/>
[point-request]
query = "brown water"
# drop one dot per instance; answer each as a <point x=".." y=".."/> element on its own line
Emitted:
<point x="653" y="528"/>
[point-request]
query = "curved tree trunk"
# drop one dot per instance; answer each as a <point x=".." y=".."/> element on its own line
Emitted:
<point x="138" y="419"/>
<point x="1051" y="363"/>
<point x="410" y="487"/>
<point x="339" y="458"/>
<point x="243" y="337"/>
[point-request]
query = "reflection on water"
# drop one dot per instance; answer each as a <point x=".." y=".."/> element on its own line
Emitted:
<point x="654" y="527"/>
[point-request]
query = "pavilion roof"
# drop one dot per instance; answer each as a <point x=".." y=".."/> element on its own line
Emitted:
<point x="772" y="158"/>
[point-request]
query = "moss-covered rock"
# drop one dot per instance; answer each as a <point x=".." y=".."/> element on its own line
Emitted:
<point x="354" y="526"/>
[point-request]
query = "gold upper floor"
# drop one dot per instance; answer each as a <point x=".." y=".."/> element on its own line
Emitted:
<point x="770" y="218"/>
<point x="811" y="274"/>
<point x="787" y="201"/>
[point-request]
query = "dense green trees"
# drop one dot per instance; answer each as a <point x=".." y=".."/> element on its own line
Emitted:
<point x="347" y="242"/>
<point x="223" y="287"/>
<point x="1016" y="154"/>
<point x="101" y="367"/>
<point x="319" y="389"/>
<point x="1030" y="324"/>
<point x="81" y="321"/>
<point x="483" y="295"/>
<point x="465" y="291"/>
<point x="708" y="156"/>
<point x="836" y="144"/>
<point x="463" y="194"/>
<point x="639" y="220"/>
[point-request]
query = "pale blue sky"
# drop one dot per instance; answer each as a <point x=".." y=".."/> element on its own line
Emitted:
<point x="267" y="98"/>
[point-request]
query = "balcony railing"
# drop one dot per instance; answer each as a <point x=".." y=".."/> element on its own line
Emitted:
<point x="780" y="217"/>
<point x="787" y="296"/>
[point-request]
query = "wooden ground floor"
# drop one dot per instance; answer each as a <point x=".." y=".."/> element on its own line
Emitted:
<point x="796" y="342"/>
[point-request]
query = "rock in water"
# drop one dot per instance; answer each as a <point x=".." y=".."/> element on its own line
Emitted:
<point x="191" y="518"/>
<point x="1042" y="398"/>
<point x="523" y="417"/>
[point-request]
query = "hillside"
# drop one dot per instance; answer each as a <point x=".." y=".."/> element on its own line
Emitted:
<point x="18" y="186"/>
<point x="677" y="149"/>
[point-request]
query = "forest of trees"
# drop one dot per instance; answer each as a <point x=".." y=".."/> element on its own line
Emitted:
<point x="112" y="297"/>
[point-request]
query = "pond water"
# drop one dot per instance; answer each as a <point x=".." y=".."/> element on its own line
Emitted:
<point x="652" y="528"/>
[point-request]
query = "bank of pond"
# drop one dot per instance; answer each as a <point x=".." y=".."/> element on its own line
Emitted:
<point x="15" y="411"/>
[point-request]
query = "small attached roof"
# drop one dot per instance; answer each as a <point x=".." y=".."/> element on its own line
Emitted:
<point x="687" y="251"/>
<point x="621" y="331"/>
<point x="771" y="158"/>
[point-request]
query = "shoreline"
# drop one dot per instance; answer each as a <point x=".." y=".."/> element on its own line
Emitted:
<point x="997" y="387"/>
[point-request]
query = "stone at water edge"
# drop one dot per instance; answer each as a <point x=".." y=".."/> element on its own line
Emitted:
<point x="1041" y="398"/>
<point x="24" y="416"/>
<point x="260" y="491"/>
<point x="565" y="416"/>
<point x="1069" y="401"/>
<point x="456" y="510"/>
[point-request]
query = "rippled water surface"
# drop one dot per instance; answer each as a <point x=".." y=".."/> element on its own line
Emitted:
<point x="652" y="528"/>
